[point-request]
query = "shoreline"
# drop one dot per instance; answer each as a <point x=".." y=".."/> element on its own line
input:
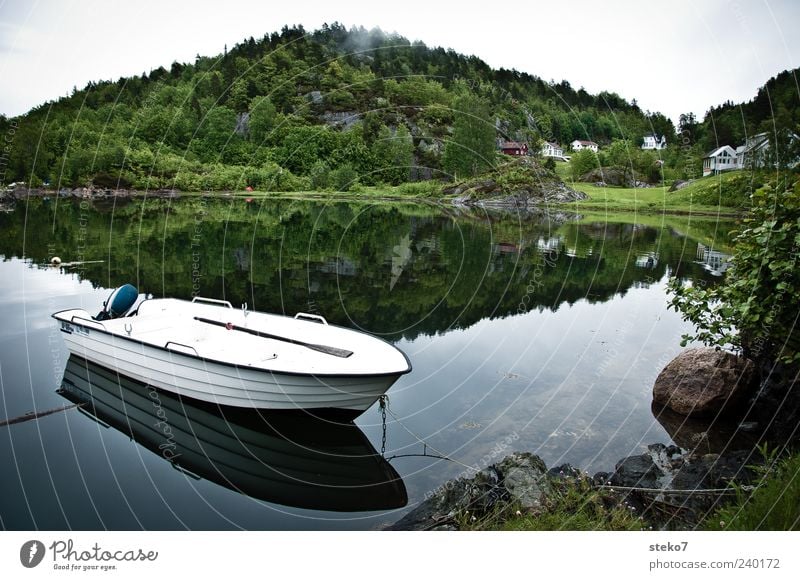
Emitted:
<point x="510" y="203"/>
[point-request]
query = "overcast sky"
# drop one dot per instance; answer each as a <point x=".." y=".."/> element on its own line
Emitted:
<point x="671" y="56"/>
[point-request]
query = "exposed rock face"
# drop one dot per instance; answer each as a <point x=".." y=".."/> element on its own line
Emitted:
<point x="679" y="184"/>
<point x="521" y="183"/>
<point x="703" y="381"/>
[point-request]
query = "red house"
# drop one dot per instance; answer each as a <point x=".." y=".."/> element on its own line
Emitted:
<point x="514" y="148"/>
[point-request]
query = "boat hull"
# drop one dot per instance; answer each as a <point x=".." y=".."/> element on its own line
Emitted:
<point x="182" y="370"/>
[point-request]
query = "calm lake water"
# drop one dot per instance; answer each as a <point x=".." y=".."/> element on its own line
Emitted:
<point x="526" y="333"/>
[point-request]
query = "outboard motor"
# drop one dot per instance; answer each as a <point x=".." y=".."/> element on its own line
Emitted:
<point x="119" y="302"/>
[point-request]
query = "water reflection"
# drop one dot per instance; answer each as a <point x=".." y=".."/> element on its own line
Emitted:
<point x="713" y="261"/>
<point x="543" y="333"/>
<point x="289" y="459"/>
<point x="394" y="270"/>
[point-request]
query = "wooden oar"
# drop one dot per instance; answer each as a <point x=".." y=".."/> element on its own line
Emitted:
<point x="318" y="347"/>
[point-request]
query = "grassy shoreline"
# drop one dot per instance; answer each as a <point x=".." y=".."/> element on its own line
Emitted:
<point x="722" y="196"/>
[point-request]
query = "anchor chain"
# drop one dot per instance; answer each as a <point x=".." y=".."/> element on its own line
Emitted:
<point x="383" y="402"/>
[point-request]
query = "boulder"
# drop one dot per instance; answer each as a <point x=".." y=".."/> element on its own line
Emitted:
<point x="520" y="477"/>
<point x="524" y="477"/>
<point x="615" y="176"/>
<point x="704" y="381"/>
<point x="636" y="471"/>
<point x="679" y="184"/>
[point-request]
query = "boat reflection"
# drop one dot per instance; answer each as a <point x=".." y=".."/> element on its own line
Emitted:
<point x="287" y="458"/>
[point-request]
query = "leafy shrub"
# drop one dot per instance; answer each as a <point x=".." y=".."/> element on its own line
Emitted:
<point x="343" y="178"/>
<point x="582" y="162"/>
<point x="757" y="308"/>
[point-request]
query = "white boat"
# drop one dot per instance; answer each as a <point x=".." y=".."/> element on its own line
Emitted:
<point x="207" y="350"/>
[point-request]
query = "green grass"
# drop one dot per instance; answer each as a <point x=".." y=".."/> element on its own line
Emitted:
<point x="571" y="504"/>
<point x="717" y="195"/>
<point x="774" y="505"/>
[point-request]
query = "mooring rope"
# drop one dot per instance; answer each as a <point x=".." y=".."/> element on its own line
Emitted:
<point x="384" y="401"/>
<point x="31" y="415"/>
<point x="671" y="491"/>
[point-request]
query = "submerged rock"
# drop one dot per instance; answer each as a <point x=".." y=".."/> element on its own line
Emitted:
<point x="704" y="381"/>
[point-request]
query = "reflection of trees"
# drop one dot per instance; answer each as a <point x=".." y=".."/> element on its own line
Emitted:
<point x="398" y="270"/>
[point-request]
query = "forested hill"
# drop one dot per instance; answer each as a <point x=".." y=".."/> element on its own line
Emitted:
<point x="297" y="110"/>
<point x="775" y="110"/>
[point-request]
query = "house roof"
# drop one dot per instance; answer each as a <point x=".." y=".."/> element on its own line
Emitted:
<point x="718" y="150"/>
<point x="513" y="145"/>
<point x="585" y="142"/>
<point x="556" y="145"/>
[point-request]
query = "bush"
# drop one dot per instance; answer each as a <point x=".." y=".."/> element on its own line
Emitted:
<point x="756" y="309"/>
<point x="319" y="175"/>
<point x="583" y="162"/>
<point x="343" y="178"/>
<point x="774" y="505"/>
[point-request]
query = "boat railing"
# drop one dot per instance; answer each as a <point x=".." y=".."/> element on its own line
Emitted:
<point x="315" y="317"/>
<point x="86" y="320"/>
<point x="212" y="301"/>
<point x="181" y="345"/>
<point x="184" y="471"/>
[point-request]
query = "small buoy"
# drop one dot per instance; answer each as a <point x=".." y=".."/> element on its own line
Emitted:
<point x="55" y="260"/>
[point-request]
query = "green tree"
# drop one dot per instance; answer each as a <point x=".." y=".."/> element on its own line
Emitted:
<point x="394" y="153"/>
<point x="343" y="178"/>
<point x="216" y="133"/>
<point x="262" y="119"/>
<point x="471" y="150"/>
<point x="320" y="175"/>
<point x="582" y="162"/>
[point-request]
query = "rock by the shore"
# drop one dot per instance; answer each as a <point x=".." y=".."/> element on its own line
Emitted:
<point x="521" y="183"/>
<point x="703" y="381"/>
<point x="666" y="485"/>
<point x="520" y="477"/>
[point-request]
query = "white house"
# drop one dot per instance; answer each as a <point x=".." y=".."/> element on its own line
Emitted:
<point x="578" y="145"/>
<point x="719" y="160"/>
<point x="654" y="142"/>
<point x="753" y="152"/>
<point x="552" y="150"/>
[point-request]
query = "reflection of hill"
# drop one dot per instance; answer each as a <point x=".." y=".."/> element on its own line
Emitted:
<point x="395" y="270"/>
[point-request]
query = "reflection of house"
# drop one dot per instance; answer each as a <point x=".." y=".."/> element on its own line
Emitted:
<point x="340" y="266"/>
<point x="578" y="145"/>
<point x="507" y="248"/>
<point x="514" y="148"/>
<point x="719" y="160"/>
<point x="713" y="261"/>
<point x="552" y="150"/>
<point x="648" y="260"/>
<point x="548" y="244"/>
<point x="654" y="142"/>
